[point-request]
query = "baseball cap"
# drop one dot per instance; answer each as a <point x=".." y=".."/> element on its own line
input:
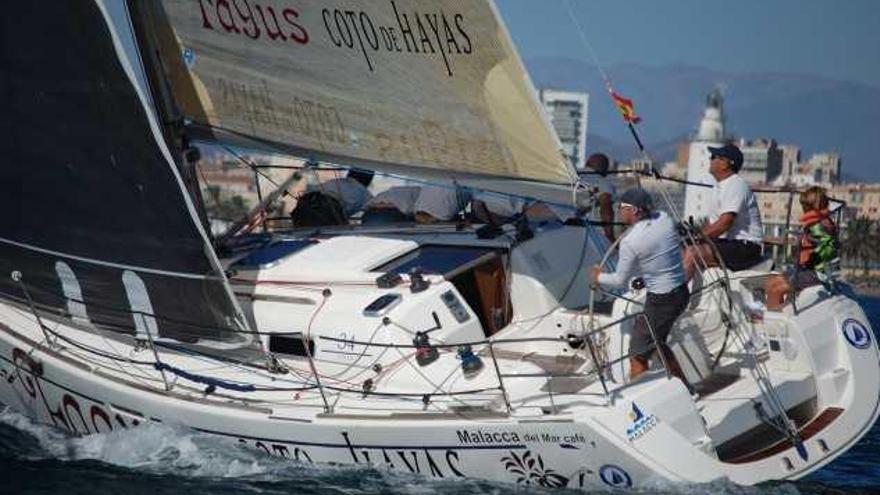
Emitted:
<point x="731" y="152"/>
<point x="637" y="197"/>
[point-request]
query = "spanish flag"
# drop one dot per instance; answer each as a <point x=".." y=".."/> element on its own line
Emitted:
<point x="626" y="107"/>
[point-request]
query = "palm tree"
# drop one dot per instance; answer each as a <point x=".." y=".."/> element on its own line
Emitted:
<point x="859" y="242"/>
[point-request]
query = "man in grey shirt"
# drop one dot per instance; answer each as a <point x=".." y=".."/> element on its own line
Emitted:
<point x="650" y="249"/>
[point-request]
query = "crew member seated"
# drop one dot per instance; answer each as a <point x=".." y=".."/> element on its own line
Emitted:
<point x="394" y="205"/>
<point x="351" y="191"/>
<point x="334" y="201"/>
<point x="439" y="204"/>
<point x="735" y="222"/>
<point x="422" y="204"/>
<point x="494" y="209"/>
<point x="819" y="247"/>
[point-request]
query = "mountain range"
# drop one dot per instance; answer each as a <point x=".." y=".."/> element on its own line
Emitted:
<point x="818" y="114"/>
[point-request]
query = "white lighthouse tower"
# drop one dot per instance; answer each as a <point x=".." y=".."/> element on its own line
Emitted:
<point x="697" y="201"/>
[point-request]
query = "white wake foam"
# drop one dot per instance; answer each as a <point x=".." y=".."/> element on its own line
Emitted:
<point x="154" y="447"/>
<point x="177" y="450"/>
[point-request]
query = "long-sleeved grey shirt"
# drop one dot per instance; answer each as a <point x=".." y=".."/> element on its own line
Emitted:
<point x="651" y="250"/>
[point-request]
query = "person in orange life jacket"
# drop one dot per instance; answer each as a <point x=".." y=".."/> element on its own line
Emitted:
<point x="818" y="246"/>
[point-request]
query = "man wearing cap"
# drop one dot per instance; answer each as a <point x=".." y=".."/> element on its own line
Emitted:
<point x="735" y="224"/>
<point x="650" y="249"/>
<point x="351" y="191"/>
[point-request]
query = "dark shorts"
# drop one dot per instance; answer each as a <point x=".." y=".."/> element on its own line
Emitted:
<point x="661" y="311"/>
<point x="738" y="255"/>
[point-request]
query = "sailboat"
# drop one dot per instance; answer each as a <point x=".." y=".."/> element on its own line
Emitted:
<point x="428" y="349"/>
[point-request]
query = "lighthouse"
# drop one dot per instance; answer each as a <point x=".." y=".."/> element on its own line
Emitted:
<point x="697" y="202"/>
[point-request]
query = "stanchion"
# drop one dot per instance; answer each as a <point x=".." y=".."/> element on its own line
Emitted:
<point x="155" y="352"/>
<point x="16" y="277"/>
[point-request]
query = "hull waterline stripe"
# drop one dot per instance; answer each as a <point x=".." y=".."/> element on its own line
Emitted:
<point x="120" y="266"/>
<point x="366" y="446"/>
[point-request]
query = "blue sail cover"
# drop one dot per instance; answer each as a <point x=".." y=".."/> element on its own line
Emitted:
<point x="89" y="188"/>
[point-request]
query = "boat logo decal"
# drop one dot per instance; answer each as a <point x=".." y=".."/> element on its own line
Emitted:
<point x="640" y="423"/>
<point x="615" y="477"/>
<point x="530" y="470"/>
<point x="856" y="334"/>
<point x="189" y="57"/>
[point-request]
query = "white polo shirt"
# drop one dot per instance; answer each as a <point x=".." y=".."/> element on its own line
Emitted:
<point x="649" y="249"/>
<point x="351" y="194"/>
<point x="403" y="198"/>
<point x="733" y="195"/>
<point x="502" y="205"/>
<point x="441" y="203"/>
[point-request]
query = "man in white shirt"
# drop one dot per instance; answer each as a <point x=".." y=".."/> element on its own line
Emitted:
<point x="650" y="249"/>
<point x="495" y="208"/>
<point x="394" y="205"/>
<point x="423" y="203"/>
<point x="735" y="225"/>
<point x="351" y="191"/>
<point x="439" y="203"/>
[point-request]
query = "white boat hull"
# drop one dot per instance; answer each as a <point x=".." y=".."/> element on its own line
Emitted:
<point x="598" y="445"/>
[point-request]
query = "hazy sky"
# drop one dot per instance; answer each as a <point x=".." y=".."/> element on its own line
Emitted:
<point x="837" y="39"/>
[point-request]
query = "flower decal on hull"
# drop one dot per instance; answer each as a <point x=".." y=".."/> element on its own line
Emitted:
<point x="530" y="470"/>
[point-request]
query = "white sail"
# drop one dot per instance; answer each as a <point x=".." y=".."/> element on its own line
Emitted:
<point x="435" y="86"/>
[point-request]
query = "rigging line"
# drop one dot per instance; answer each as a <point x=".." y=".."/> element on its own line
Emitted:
<point x="251" y="166"/>
<point x="310" y="387"/>
<point x="322" y="165"/>
<point x="602" y="73"/>
<point x="360" y="356"/>
<point x="119" y="311"/>
<point x="307" y="285"/>
<point x="137" y="371"/>
<point x="586" y="43"/>
<point x="110" y="264"/>
<point x="118" y="357"/>
<point x="204" y="358"/>
<point x="452" y="395"/>
<point x="121" y="329"/>
<point x="215" y="193"/>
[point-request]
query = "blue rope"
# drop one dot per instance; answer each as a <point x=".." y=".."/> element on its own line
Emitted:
<point x="204" y="379"/>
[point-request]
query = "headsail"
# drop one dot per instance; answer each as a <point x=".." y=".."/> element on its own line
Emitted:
<point x="418" y="86"/>
<point x="95" y="215"/>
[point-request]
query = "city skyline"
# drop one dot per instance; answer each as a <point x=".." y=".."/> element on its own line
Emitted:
<point x="831" y="40"/>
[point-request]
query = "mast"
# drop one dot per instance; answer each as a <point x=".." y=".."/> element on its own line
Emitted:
<point x="145" y="19"/>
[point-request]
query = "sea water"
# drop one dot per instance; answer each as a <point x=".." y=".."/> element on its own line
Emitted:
<point x="161" y="459"/>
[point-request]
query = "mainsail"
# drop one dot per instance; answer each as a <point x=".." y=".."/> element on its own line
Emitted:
<point x="95" y="215"/>
<point x="426" y="87"/>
